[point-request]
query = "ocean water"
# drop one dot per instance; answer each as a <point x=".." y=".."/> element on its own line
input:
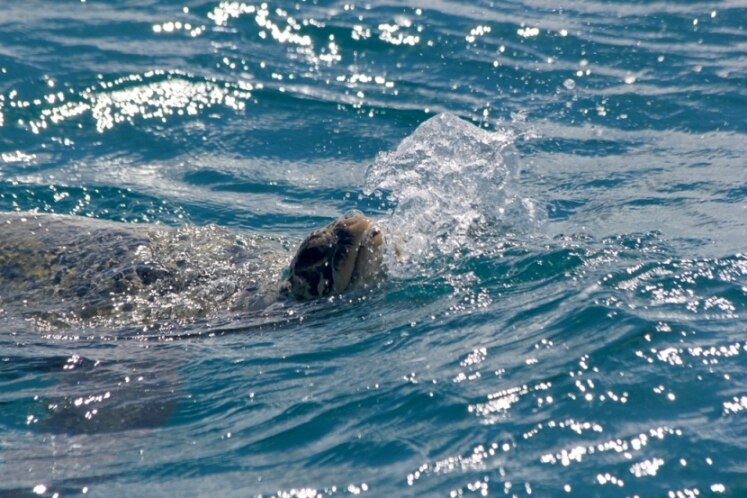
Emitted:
<point x="564" y="192"/>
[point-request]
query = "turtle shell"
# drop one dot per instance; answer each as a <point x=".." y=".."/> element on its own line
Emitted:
<point x="67" y="269"/>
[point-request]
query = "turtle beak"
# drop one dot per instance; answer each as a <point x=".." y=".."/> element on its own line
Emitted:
<point x="368" y="260"/>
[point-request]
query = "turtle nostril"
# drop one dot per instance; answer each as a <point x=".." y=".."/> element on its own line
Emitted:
<point x="352" y="214"/>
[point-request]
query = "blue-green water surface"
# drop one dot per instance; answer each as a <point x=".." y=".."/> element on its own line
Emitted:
<point x="564" y="190"/>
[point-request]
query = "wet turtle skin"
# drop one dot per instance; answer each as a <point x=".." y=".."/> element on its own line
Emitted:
<point x="62" y="270"/>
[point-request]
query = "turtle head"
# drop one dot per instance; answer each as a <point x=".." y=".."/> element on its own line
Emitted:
<point x="344" y="254"/>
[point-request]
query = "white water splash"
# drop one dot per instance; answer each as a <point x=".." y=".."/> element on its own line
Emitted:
<point x="448" y="180"/>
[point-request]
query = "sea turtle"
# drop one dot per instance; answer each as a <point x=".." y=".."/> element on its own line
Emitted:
<point x="68" y="269"/>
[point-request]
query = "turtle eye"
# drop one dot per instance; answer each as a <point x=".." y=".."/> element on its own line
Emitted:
<point x="344" y="236"/>
<point x="311" y="256"/>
